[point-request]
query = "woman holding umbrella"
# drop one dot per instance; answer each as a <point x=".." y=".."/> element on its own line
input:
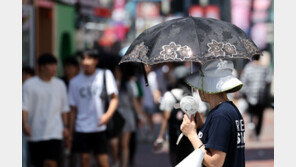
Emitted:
<point x="221" y="137"/>
<point x="212" y="43"/>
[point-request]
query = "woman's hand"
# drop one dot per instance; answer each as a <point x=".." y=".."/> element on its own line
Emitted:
<point x="188" y="127"/>
<point x="105" y="118"/>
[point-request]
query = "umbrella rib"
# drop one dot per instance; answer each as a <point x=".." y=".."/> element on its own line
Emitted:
<point x="198" y="47"/>
<point x="165" y="27"/>
<point x="237" y="35"/>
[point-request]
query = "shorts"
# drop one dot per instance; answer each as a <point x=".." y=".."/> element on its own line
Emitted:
<point x="45" y="150"/>
<point x="255" y="109"/>
<point x="150" y="110"/>
<point x="130" y="121"/>
<point x="95" y="142"/>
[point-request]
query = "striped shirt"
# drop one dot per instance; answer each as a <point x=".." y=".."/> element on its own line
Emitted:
<point x="255" y="79"/>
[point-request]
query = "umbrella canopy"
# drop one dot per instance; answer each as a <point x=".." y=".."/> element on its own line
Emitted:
<point x="190" y="39"/>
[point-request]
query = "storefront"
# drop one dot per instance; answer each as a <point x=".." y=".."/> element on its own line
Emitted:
<point x="64" y="32"/>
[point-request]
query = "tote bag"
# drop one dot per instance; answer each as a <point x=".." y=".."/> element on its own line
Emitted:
<point x="116" y="123"/>
<point x="194" y="159"/>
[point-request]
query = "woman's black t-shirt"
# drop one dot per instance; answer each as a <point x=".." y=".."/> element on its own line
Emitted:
<point x="224" y="131"/>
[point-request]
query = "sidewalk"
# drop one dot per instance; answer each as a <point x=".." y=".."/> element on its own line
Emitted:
<point x="261" y="153"/>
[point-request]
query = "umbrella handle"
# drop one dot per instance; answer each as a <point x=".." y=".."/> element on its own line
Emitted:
<point x="145" y="75"/>
<point x="179" y="138"/>
<point x="191" y="71"/>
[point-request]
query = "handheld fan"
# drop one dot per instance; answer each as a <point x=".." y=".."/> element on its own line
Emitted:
<point x="189" y="106"/>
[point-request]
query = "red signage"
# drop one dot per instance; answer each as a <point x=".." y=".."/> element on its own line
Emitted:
<point x="102" y="12"/>
<point x="196" y="11"/>
<point x="210" y="11"/>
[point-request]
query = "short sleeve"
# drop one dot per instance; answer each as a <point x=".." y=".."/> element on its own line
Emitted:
<point x="65" y="104"/>
<point x="219" y="134"/>
<point x="110" y="83"/>
<point x="167" y="103"/>
<point x="72" y="95"/>
<point x="26" y="99"/>
<point x="152" y="79"/>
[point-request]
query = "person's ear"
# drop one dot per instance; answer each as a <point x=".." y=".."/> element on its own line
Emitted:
<point x="192" y="118"/>
<point x="41" y="67"/>
<point x="97" y="61"/>
<point x="203" y="95"/>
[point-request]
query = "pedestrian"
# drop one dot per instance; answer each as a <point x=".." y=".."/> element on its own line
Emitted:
<point x="27" y="73"/>
<point x="221" y="137"/>
<point x="89" y="115"/>
<point x="44" y="111"/>
<point x="173" y="117"/>
<point x="128" y="107"/>
<point x="150" y="100"/>
<point x="71" y="69"/>
<point x="256" y="79"/>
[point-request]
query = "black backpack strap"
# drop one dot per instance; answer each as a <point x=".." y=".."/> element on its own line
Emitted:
<point x="104" y="79"/>
<point x="104" y="94"/>
<point x="174" y="96"/>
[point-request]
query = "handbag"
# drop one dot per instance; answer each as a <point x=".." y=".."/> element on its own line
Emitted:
<point x="194" y="159"/>
<point x="116" y="123"/>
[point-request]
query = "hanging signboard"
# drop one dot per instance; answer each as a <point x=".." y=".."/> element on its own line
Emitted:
<point x="28" y="35"/>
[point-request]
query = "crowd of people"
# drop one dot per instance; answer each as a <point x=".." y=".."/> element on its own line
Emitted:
<point x="68" y="120"/>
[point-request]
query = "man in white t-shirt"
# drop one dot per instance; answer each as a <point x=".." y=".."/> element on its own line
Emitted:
<point x="89" y="115"/>
<point x="44" y="113"/>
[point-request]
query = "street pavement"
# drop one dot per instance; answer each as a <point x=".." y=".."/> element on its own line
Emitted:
<point x="261" y="153"/>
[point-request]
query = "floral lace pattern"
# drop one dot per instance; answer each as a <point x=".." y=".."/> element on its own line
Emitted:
<point x="221" y="49"/>
<point x="230" y="50"/>
<point x="184" y="52"/>
<point x="221" y="65"/>
<point x="251" y="48"/>
<point x="139" y="53"/>
<point x="175" y="52"/>
<point x="216" y="48"/>
<point x="170" y="51"/>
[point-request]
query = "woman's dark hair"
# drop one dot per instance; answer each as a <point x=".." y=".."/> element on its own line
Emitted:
<point x="46" y="58"/>
<point x="256" y="57"/>
<point x="181" y="84"/>
<point x="127" y="72"/>
<point x="71" y="61"/>
<point x="94" y="53"/>
<point x="28" y="70"/>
